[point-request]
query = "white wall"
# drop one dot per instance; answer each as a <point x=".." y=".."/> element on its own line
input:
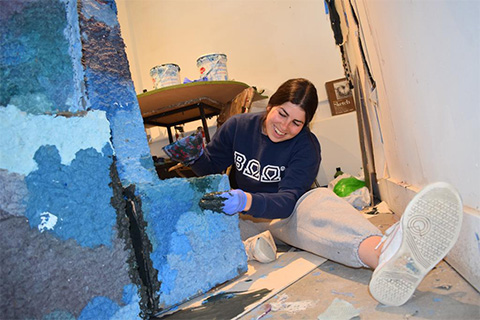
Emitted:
<point x="266" y="42"/>
<point x="425" y="59"/>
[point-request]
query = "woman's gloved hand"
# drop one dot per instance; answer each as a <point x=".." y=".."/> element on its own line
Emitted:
<point x="186" y="150"/>
<point x="228" y="202"/>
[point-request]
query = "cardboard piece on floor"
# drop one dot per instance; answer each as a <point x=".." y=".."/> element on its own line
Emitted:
<point x="268" y="278"/>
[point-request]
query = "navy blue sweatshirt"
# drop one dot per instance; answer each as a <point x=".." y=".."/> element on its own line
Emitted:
<point x="276" y="174"/>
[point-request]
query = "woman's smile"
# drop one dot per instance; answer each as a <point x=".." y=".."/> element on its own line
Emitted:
<point x="284" y="122"/>
<point x="279" y="133"/>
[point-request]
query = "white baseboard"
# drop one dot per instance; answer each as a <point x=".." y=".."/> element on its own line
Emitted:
<point x="465" y="255"/>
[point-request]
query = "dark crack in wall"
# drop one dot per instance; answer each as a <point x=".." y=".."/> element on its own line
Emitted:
<point x="131" y="227"/>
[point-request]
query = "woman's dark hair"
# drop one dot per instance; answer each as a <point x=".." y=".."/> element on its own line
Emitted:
<point x="297" y="91"/>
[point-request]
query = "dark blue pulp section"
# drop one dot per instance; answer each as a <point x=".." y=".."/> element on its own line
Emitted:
<point x="35" y="65"/>
<point x="78" y="194"/>
<point x="110" y="88"/>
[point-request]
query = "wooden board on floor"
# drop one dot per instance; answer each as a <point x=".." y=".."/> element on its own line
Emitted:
<point x="239" y="296"/>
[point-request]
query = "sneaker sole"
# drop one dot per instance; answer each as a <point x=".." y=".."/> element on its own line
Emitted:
<point x="431" y="224"/>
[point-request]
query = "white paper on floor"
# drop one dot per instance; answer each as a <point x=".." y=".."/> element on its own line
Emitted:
<point x="339" y="310"/>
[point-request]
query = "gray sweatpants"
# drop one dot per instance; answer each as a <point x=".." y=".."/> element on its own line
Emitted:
<point x="321" y="223"/>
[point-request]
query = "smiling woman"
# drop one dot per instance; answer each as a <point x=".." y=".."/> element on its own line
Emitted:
<point x="275" y="156"/>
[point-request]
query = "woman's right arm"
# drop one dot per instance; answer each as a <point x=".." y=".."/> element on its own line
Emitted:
<point x="218" y="153"/>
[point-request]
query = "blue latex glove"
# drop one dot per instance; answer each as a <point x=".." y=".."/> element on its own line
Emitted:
<point x="228" y="202"/>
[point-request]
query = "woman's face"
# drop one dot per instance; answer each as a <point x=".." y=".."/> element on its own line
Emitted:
<point x="284" y="122"/>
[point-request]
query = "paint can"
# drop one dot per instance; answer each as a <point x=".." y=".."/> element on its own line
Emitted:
<point x="213" y="67"/>
<point x="167" y="74"/>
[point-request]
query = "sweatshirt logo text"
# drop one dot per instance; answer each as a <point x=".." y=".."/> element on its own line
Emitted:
<point x="252" y="169"/>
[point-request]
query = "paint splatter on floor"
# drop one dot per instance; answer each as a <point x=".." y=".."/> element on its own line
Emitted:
<point x="347" y="294"/>
<point x="444" y="287"/>
<point x="478" y="240"/>
<point x="291" y="307"/>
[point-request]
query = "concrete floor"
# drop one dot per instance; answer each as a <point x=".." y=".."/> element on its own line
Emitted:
<point x="443" y="294"/>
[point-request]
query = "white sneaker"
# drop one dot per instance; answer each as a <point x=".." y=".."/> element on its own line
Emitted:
<point x="261" y="247"/>
<point x="424" y="235"/>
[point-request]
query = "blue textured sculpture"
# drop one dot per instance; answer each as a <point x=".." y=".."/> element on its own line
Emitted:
<point x="88" y="229"/>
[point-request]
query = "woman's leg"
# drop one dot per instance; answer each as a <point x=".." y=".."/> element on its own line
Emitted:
<point x="369" y="251"/>
<point x="326" y="225"/>
<point x="322" y="224"/>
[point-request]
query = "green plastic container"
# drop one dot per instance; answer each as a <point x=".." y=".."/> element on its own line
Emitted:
<point x="346" y="186"/>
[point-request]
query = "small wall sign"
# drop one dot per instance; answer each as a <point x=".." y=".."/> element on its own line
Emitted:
<point x="340" y="96"/>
